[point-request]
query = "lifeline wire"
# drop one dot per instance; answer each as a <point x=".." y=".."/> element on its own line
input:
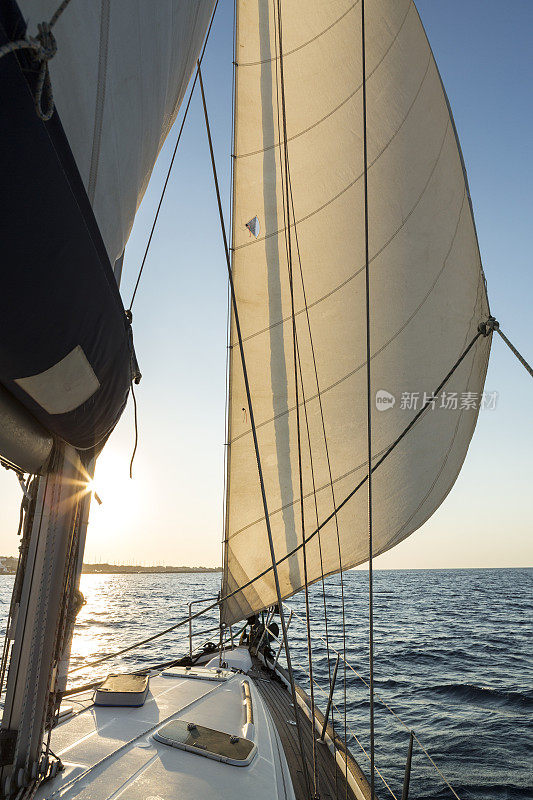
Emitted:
<point x="394" y="714"/>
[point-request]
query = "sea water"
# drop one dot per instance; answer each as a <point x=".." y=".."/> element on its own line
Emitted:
<point x="453" y="660"/>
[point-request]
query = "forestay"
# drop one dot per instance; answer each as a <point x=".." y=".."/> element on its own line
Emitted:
<point x="427" y="289"/>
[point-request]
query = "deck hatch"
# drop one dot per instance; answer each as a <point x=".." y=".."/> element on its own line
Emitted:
<point x="207" y="742"/>
<point x="122" y="690"/>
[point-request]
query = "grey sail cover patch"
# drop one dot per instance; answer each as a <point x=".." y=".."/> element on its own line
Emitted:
<point x="63" y="387"/>
<point x="254" y="227"/>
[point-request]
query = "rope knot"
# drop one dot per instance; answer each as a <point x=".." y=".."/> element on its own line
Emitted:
<point x="44" y="44"/>
<point x="43" y="48"/>
<point x="488" y="326"/>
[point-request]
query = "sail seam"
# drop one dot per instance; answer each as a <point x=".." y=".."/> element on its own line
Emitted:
<point x="355" y="180"/>
<point x="405" y="432"/>
<point x="361" y="269"/>
<point x="340" y="478"/>
<point x="350" y="277"/>
<point x="338" y="107"/>
<point x="301" y="46"/>
<point x="398" y="535"/>
<point x="100" y="97"/>
<point x="377" y="352"/>
<point x="309" y="494"/>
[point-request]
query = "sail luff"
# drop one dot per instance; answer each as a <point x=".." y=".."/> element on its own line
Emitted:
<point x="426" y="279"/>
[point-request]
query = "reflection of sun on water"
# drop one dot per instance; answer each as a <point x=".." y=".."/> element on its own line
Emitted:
<point x="88" y="633"/>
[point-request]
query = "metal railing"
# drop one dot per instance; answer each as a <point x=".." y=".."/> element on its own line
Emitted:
<point x="190" y="605"/>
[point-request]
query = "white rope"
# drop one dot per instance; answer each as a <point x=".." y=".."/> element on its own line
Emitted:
<point x="43" y="48"/>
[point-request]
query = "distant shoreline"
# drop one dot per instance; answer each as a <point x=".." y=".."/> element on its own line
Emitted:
<point x="115" y="569"/>
<point x="8" y="566"/>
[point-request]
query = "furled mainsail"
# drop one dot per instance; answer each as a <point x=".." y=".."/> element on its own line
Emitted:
<point x="71" y="184"/>
<point x="427" y="289"/>
<point x="119" y="76"/>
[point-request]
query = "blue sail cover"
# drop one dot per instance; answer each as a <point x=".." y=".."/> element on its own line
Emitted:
<point x="64" y="338"/>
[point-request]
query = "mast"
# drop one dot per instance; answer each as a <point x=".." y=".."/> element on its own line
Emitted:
<point x="88" y="123"/>
<point x="45" y="605"/>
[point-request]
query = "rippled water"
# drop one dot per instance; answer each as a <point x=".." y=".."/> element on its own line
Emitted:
<point x="453" y="660"/>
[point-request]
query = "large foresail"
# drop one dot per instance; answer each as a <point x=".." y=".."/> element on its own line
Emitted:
<point x="426" y="286"/>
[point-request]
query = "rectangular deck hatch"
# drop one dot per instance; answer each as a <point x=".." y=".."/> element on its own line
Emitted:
<point x="207" y="742"/>
<point x="122" y="690"/>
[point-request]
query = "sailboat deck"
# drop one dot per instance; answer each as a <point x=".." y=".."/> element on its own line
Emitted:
<point x="331" y="775"/>
<point x="109" y="751"/>
<point x="121" y="751"/>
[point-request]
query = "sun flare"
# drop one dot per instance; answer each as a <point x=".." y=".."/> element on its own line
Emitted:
<point x="117" y="502"/>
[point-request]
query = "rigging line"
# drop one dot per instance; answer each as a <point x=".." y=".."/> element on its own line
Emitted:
<point x="172" y="160"/>
<point x="391" y="711"/>
<point x="305" y="402"/>
<point x="229" y="353"/>
<point x="136" y="424"/>
<point x="333" y="704"/>
<point x="368" y="411"/>
<point x="361" y="483"/>
<point x="296" y="387"/>
<point x="274" y="566"/>
<point x="319" y="549"/>
<point x="330" y="472"/>
<point x="223" y="577"/>
<point x="311" y="535"/>
<point x="513" y="349"/>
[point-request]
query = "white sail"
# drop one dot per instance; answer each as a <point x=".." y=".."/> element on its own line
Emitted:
<point x="427" y="289"/>
<point x="118" y="78"/>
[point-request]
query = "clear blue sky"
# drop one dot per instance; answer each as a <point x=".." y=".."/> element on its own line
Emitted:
<point x="172" y="511"/>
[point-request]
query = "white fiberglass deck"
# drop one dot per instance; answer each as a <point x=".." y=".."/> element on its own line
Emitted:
<point x="110" y="752"/>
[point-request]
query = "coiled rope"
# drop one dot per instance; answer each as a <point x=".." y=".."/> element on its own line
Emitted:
<point x="43" y="48"/>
